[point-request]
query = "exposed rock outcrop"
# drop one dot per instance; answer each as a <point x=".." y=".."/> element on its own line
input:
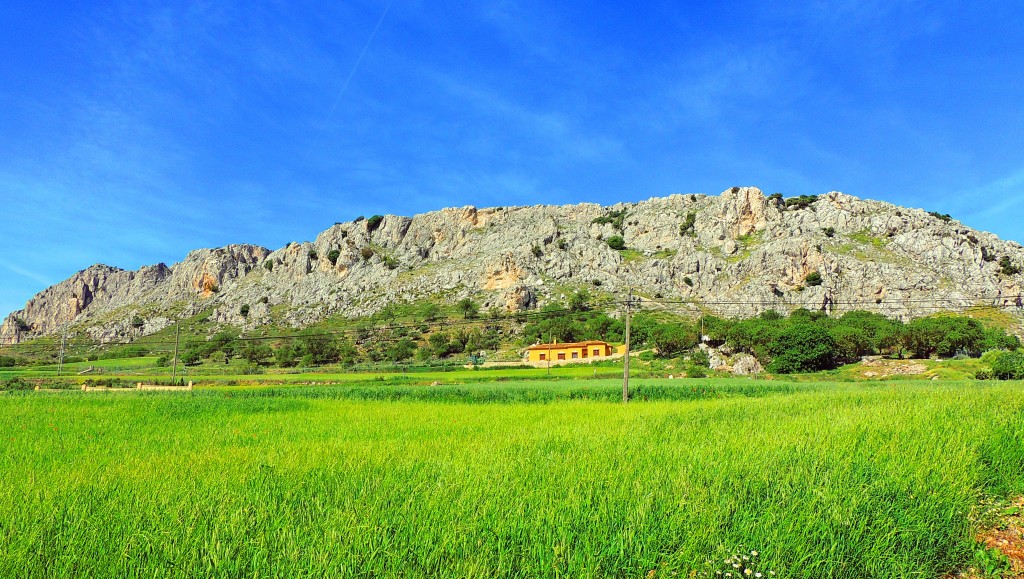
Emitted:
<point x="745" y="253"/>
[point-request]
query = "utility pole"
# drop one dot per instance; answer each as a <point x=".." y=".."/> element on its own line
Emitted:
<point x="625" y="361"/>
<point x="174" y="364"/>
<point x="63" y="344"/>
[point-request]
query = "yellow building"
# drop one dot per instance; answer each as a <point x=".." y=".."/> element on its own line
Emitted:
<point x="579" y="351"/>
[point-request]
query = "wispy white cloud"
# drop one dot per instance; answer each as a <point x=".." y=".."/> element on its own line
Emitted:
<point x="39" y="278"/>
<point x="1002" y="195"/>
<point x="556" y="131"/>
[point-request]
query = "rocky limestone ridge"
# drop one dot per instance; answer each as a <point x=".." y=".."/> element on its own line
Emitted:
<point x="738" y="253"/>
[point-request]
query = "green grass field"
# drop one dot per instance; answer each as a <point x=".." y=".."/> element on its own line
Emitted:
<point x="823" y="480"/>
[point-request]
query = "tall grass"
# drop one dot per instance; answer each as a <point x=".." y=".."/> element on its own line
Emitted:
<point x="851" y="482"/>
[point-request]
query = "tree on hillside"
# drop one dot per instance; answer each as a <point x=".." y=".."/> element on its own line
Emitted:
<point x="881" y="332"/>
<point x="469" y="308"/>
<point x="754" y="336"/>
<point x="403" y="349"/>
<point x="802" y="347"/>
<point x="429" y="311"/>
<point x="1007" y="365"/>
<point x="317" y="346"/>
<point x="674" y="339"/>
<point x="284" y="356"/>
<point x="580" y="301"/>
<point x="942" y="335"/>
<point x="256" y="352"/>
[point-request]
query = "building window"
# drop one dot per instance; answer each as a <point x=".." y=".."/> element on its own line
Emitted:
<point x="575" y="355"/>
<point x="597" y="352"/>
<point x="561" y="355"/>
<point x="543" y="356"/>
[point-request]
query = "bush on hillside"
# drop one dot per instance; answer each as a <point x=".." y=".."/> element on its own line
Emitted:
<point x="687" y="226"/>
<point x="15" y="383"/>
<point x="802" y="347"/>
<point x="672" y="340"/>
<point x="373" y="223"/>
<point x="1007" y="365"/>
<point x="616" y="242"/>
<point x="800" y="202"/>
<point x="1006" y="267"/>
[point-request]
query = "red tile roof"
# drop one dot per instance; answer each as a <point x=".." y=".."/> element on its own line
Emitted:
<point x="568" y="345"/>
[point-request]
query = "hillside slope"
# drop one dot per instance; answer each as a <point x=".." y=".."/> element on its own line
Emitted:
<point x="735" y="254"/>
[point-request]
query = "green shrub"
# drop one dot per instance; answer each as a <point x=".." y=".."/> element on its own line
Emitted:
<point x="615" y="218"/>
<point x="813" y="279"/>
<point x="256" y="352"/>
<point x="941" y="216"/>
<point x="7" y="361"/>
<point x="1008" y="365"/>
<point x="1006" y="267"/>
<point x="687" y="226"/>
<point x="829" y="231"/>
<point x="366" y="252"/>
<point x="244" y="310"/>
<point x="801" y="202"/>
<point x="269" y="264"/>
<point x="696" y="372"/>
<point x="673" y="339"/>
<point x="251" y="369"/>
<point x="802" y="347"/>
<point x="15" y="383"/>
<point x="312" y="254"/>
<point x="580" y="301"/>
<point x="562" y="244"/>
<point x="191" y="358"/>
<point x="468" y="307"/>
<point x="333" y="255"/>
<point x="616" y="242"/>
<point x="688" y="281"/>
<point x="373" y="223"/>
<point x="537" y="251"/>
<point x="284" y="356"/>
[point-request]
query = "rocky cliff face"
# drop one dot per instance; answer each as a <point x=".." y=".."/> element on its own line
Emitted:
<point x="736" y="254"/>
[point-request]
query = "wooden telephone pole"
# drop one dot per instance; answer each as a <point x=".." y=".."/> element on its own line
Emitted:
<point x="625" y="361"/>
<point x="174" y="364"/>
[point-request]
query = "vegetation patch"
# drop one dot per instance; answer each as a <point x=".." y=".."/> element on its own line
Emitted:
<point x="554" y="481"/>
<point x="800" y="202"/>
<point x="629" y="255"/>
<point x="615" y="218"/>
<point x="865" y="237"/>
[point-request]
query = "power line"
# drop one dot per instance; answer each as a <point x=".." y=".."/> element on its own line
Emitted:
<point x="45" y="344"/>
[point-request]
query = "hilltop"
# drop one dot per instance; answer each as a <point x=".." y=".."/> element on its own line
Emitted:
<point x="738" y="253"/>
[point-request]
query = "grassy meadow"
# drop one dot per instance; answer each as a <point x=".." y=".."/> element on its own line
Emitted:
<point x="821" y="480"/>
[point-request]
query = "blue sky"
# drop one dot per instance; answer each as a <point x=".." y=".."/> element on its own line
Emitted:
<point x="132" y="133"/>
